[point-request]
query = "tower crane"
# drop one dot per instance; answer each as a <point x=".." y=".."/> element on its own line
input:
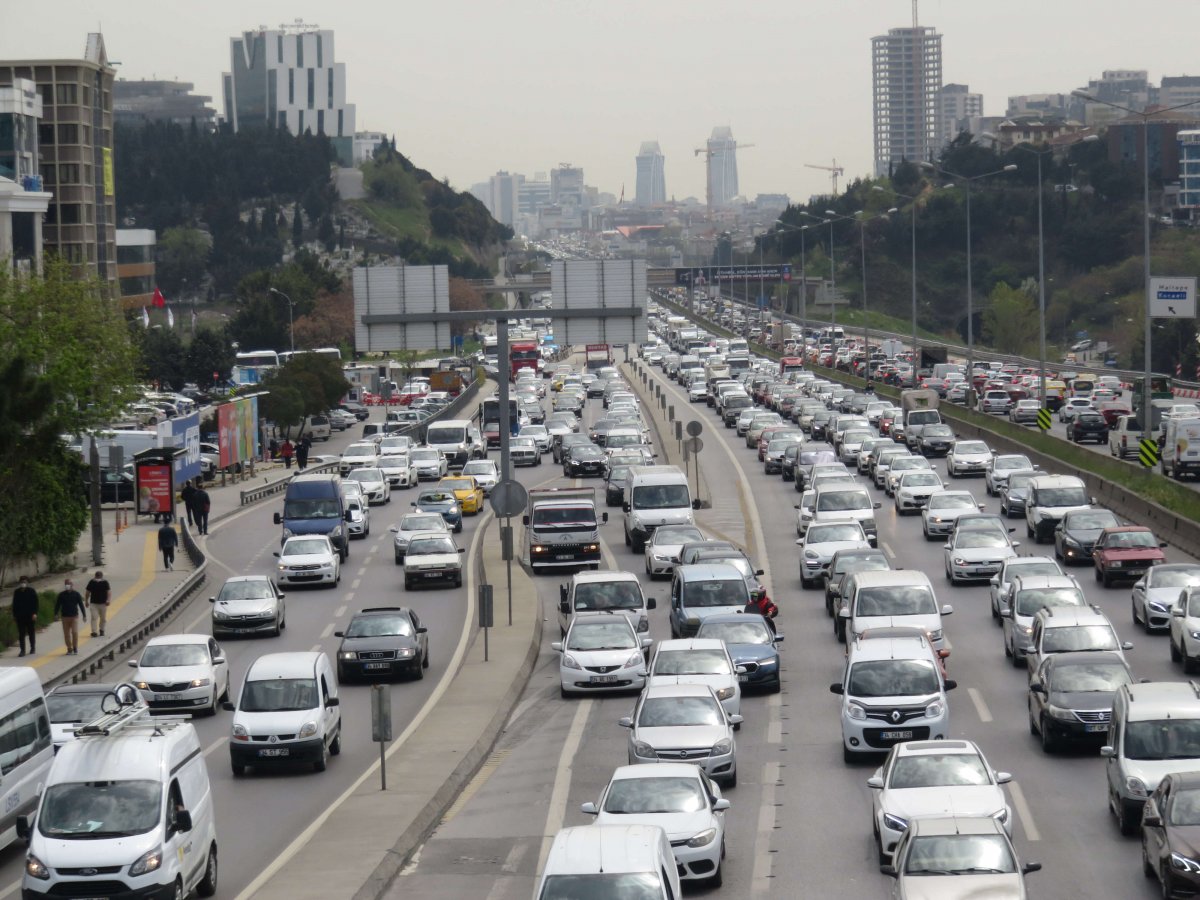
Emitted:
<point x="834" y="172"/>
<point x="707" y="153"/>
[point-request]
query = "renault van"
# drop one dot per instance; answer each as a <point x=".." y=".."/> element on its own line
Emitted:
<point x="459" y="440"/>
<point x="657" y="495"/>
<point x="610" y="861"/>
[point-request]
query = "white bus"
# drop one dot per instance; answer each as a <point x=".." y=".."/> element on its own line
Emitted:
<point x="26" y="746"/>
<point x="251" y="367"/>
<point x="331" y="352"/>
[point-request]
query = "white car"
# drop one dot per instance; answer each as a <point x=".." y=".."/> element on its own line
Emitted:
<point x="485" y="472"/>
<point x="995" y="401"/>
<point x="415" y="523"/>
<point x="933" y="778"/>
<point x="680" y="799"/>
<point x="914" y="490"/>
<point x="698" y="661"/>
<point x="1066" y="412"/>
<point x="968" y="458"/>
<point x="395" y="443"/>
<point x="374" y="483"/>
<point x="683" y="723"/>
<point x="1014" y="566"/>
<point x="600" y="653"/>
<point x="1158" y="590"/>
<point x="958" y="856"/>
<point x="309" y="559"/>
<point x="995" y="476"/>
<point x="432" y="556"/>
<point x="540" y="435"/>
<point x="523" y="451"/>
<point x="823" y="539"/>
<point x="430" y="463"/>
<point x="362" y="454"/>
<point x="804" y="511"/>
<point x="977" y="553"/>
<point x="899" y="466"/>
<point x="662" y="550"/>
<point x="358" y="517"/>
<point x="398" y="468"/>
<point x="182" y="672"/>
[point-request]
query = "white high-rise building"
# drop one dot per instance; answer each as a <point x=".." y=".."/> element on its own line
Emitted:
<point x="907" y="78"/>
<point x="722" y="166"/>
<point x="651" y="189"/>
<point x="956" y="107"/>
<point x="506" y="192"/>
<point x="288" y="78"/>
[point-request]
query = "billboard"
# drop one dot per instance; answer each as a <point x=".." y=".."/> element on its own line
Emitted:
<point x="699" y="276"/>
<point x="183" y="432"/>
<point x="401" y="290"/>
<point x="580" y="285"/>
<point x="237" y="431"/>
<point x="153" y="488"/>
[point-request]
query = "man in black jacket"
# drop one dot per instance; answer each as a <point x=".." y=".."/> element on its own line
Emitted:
<point x="24" y="612"/>
<point x="168" y="540"/>
<point x="69" y="605"/>
<point x="188" y="496"/>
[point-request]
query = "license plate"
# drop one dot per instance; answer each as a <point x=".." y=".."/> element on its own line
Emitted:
<point x="604" y="679"/>
<point x="1094" y="729"/>
<point x="275" y="751"/>
<point x="896" y="735"/>
<point x="381" y="665"/>
<point x="162" y="697"/>
<point x="432" y="575"/>
<point x="743" y="678"/>
<point x="563" y="556"/>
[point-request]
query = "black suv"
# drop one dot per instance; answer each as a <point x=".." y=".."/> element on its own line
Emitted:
<point x="1088" y="426"/>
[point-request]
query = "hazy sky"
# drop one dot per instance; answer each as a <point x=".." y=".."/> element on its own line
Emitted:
<point x="472" y="87"/>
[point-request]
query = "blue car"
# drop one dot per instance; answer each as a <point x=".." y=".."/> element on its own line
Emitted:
<point x="753" y="645"/>
<point x="436" y="500"/>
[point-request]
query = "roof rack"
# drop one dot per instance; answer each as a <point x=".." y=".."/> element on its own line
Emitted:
<point x="124" y="708"/>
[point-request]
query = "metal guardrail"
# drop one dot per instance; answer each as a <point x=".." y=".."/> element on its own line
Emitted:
<point x="254" y="494"/>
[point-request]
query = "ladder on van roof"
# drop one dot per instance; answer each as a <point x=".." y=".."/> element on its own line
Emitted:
<point x="130" y="711"/>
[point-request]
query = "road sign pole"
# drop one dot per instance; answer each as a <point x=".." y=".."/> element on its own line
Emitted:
<point x="508" y="548"/>
<point x="505" y="366"/>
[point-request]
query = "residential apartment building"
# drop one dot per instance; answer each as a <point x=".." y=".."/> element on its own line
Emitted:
<point x="75" y="150"/>
<point x="135" y="102"/>
<point x="651" y="189"/>
<point x="1125" y="138"/>
<point x="288" y="78"/>
<point x="1189" y="172"/>
<point x="906" y="79"/>
<point x="957" y="106"/>
<point x="135" y="266"/>
<point x="722" y="167"/>
<point x="1179" y="90"/>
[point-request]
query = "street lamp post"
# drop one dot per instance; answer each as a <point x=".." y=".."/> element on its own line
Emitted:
<point x="803" y="273"/>
<point x="913" y="266"/>
<point x="862" y="243"/>
<point x="291" y="328"/>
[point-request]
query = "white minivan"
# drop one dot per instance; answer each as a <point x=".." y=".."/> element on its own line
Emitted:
<point x="610" y="861"/>
<point x="26" y="746"/>
<point x="657" y="495"/>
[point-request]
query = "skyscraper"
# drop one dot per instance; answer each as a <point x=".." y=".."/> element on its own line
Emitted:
<point x="288" y="78"/>
<point x="651" y="189"/>
<point x="956" y="107"/>
<point x="722" y="166"/>
<point x="907" y="78"/>
<point x="505" y="194"/>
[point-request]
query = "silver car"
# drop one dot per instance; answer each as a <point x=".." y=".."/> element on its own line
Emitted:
<point x="411" y="524"/>
<point x="942" y="510"/>
<point x="248" y="605"/>
<point x="374" y="484"/>
<point x="683" y="723"/>
<point x="1018" y="565"/>
<point x="977" y="553"/>
<point x="968" y="458"/>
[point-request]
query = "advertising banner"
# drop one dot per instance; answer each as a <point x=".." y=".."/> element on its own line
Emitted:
<point x="183" y="432"/>
<point x="699" y="276"/>
<point x="237" y="431"/>
<point x="153" y="488"/>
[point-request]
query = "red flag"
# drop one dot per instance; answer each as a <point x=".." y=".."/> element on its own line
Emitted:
<point x="159" y="300"/>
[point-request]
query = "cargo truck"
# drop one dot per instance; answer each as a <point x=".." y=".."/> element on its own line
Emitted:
<point x="919" y="408"/>
<point x="562" y="529"/>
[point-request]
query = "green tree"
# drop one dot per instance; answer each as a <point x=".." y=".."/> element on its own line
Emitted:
<point x="297" y="226"/>
<point x="307" y="385"/>
<point x="182" y="258"/>
<point x="163" y="358"/>
<point x="1010" y="322"/>
<point x="208" y="352"/>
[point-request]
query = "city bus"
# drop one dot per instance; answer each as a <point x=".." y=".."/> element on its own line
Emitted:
<point x="489" y="415"/>
<point x="251" y="367"/>
<point x="331" y="352"/>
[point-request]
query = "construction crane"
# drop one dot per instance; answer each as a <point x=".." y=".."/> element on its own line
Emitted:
<point x="707" y="152"/>
<point x="834" y="171"/>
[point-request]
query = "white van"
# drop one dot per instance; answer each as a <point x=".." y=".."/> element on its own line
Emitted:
<point x="317" y="427"/>
<point x="459" y="440"/>
<point x="657" y="495"/>
<point x="1181" y="446"/>
<point x="127" y="811"/>
<point x="26" y="746"/>
<point x="610" y="861"/>
<point x="885" y="598"/>
<point x="287" y="711"/>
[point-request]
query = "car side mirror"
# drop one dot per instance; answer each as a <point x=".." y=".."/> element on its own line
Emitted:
<point x="1005" y="612"/>
<point x="340" y="634"/>
<point x="1036" y="688"/>
<point x="1152" y="819"/>
<point x="589" y="809"/>
<point x="946" y="546"/>
<point x="1012" y="530"/>
<point x="183" y="821"/>
<point x="557" y="646"/>
<point x="421" y="629"/>
<point x="949" y="684"/>
<point x="736" y="719"/>
<point x="23" y="829"/>
<point x="278" y="519"/>
<point x="1162" y="545"/>
<point x="1127" y="645"/>
<point x="878" y="506"/>
<point x="1177" y="612"/>
<point x="1108" y="752"/>
<point x="651" y="603"/>
<point x="994" y="581"/>
<point x="625" y="507"/>
<point x="332" y="701"/>
<point x="412" y="504"/>
<point x="889" y="870"/>
<point x="395" y="529"/>
<point x="875" y="781"/>
<point x="837" y="688"/>
<point x="133" y="664"/>
<point x="721" y="805"/>
<point x="625" y="722"/>
<point x="1031" y="867"/>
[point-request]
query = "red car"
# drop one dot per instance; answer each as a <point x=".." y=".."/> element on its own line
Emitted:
<point x="1126" y="551"/>
<point x="885" y="424"/>
<point x="1114" y="409"/>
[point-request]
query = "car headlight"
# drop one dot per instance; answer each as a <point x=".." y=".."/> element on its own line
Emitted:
<point x="722" y="747"/>
<point x="569" y="662"/>
<point x="147" y="862"/>
<point x="934" y="709"/>
<point x="811" y="554"/>
<point x="854" y="711"/>
<point x="240" y="733"/>
<point x="635" y="659"/>
<point x="1179" y="862"/>
<point x="643" y="750"/>
<point x="767" y="661"/>
<point x="1063" y="715"/>
<point x="287" y="532"/>
<point x="1195" y="635"/>
<point x="35" y="868"/>
<point x="218" y="614"/>
<point x="725" y="693"/>
<point x="1136" y="786"/>
<point x="895" y="823"/>
<point x="1071" y="542"/>
<point x="308" y="729"/>
<point x="141" y="685"/>
<point x="337" y="532"/>
<point x="704" y="838"/>
<point x="935" y="635"/>
<point x="1157" y="606"/>
<point x="201" y="682"/>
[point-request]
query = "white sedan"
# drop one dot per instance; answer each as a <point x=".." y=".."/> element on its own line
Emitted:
<point x="914" y="490"/>
<point x="968" y="458"/>
<point x="600" y="653"/>
<point x="374" y="484"/>
<point x="398" y="468"/>
<point x="183" y="672"/>
<point x="430" y="463"/>
<point x="662" y="550"/>
<point x="977" y="553"/>
<point x="679" y="798"/>
<point x="485" y="472"/>
<point x="309" y="559"/>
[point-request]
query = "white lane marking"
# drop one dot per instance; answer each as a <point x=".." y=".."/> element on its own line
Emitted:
<point x="562" y="779"/>
<point x="355" y="583"/>
<point x="888" y="550"/>
<point x="981" y="707"/>
<point x="760" y="880"/>
<point x="775" y="725"/>
<point x="327" y="630"/>
<point x="412" y="864"/>
<point x="340" y="611"/>
<point x="443" y="685"/>
<point x="513" y="861"/>
<point x="216" y="745"/>
<point x="315" y="647"/>
<point x="1023" y="812"/>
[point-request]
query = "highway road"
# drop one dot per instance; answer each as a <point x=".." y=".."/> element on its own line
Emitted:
<point x="800" y="818"/>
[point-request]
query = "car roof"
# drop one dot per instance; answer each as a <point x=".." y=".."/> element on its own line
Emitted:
<point x="950" y="825"/>
<point x="1086" y="658"/>
<point x="179" y="639"/>
<point x="913" y="646"/>
<point x="1069" y="616"/>
<point x="677" y="690"/>
<point x="890" y="577"/>
<point x="1034" y="582"/>
<point x="662" y="770"/>
<point x="935" y="748"/>
<point x="236" y="578"/>
<point x="690" y="644"/>
<point x="1163" y="699"/>
<point x="708" y="572"/>
<point x="602" y="577"/>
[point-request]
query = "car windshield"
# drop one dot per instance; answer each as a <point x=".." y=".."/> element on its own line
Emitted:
<point x="892" y="678"/>
<point x="1173" y="577"/>
<point x="669" y="712"/>
<point x="425" y="546"/>
<point x="951" y="501"/>
<point x="920" y="479"/>
<point x="246" y="590"/>
<point x="1020" y="482"/>
<point x="854" y="562"/>
<point x="368" y="475"/>
<point x="1089" y="678"/>
<point x="99" y="809"/>
<point x="937" y="431"/>
<point x="1011" y="462"/>
<point x="924" y="417"/>
<point x="305" y="546"/>
<point x="824" y="534"/>
<point x="354" y="451"/>
<point x="1092" y="520"/>
<point x="564" y="517"/>
<point x="478" y="468"/>
<point x="422" y="523"/>
<point x="279" y="695"/>
<point x="1185" y="807"/>
<point x="751" y="631"/>
<point x="310" y="509"/>
<point x="608" y="595"/>
<point x="691" y="662"/>
<point x="75" y="707"/>
<point x="896" y="600"/>
<point x="1079" y="637"/>
<point x="816" y="457"/>
<point x="1163" y="739"/>
<point x="649" y="796"/>
<point x="978" y="539"/>
<point x="376" y="625"/>
<point x="960" y="854"/>
<point x="425" y="454"/>
<point x="842" y="501"/>
<point x="938" y="770"/>
<point x="1130" y="540"/>
<point x="614" y="635"/>
<point x="661" y="496"/>
<point x="1029" y="601"/>
<point x="856" y="437"/>
<point x="164" y="655"/>
<point x="1072" y="496"/>
<point x="432" y="497"/>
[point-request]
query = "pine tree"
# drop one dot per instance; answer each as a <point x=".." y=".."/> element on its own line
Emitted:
<point x="297" y="226"/>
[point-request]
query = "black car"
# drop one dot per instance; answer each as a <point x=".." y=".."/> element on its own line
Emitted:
<point x="1076" y="535"/>
<point x="787" y="465"/>
<point x="1071" y="696"/>
<point x="752" y="643"/>
<point x="614" y="485"/>
<point x="559" y="446"/>
<point x="1088" y="426"/>
<point x="936" y="440"/>
<point x="1171" y="834"/>
<point x="596" y="388"/>
<point x="820" y="421"/>
<point x="583" y="460"/>
<point x="843" y="563"/>
<point x="383" y="641"/>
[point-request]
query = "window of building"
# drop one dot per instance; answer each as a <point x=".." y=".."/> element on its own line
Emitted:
<point x="46" y="135"/>
<point x="320" y="121"/>
<point x="300" y="121"/>
<point x="70" y="213"/>
<point x="291" y="87"/>
<point x="282" y="123"/>
<point x="65" y="94"/>
<point x="47" y="92"/>
<point x="86" y="93"/>
<point x="68" y="173"/>
<point x="312" y="84"/>
<point x="68" y="134"/>
<point x="279" y="48"/>
<point x="299" y="51"/>
<point x="340" y="131"/>
<point x="320" y="50"/>
<point x="52" y="214"/>
<point x="329" y="89"/>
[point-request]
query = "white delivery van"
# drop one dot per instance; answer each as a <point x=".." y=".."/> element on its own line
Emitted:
<point x="610" y="861"/>
<point x="26" y="746"/>
<point x="657" y="495"/>
<point x="127" y="811"/>
<point x="1181" y="447"/>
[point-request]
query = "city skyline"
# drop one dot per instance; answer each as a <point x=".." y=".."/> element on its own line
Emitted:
<point x="486" y="107"/>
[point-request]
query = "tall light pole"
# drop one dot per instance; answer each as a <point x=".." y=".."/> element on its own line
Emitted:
<point x="833" y="217"/>
<point x="1145" y="117"/>
<point x="803" y="273"/>
<point x="968" y="180"/>
<point x="913" y="201"/>
<point x="291" y="329"/>
<point x="862" y="243"/>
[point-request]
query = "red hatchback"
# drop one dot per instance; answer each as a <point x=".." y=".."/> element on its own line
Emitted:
<point x="1126" y="551"/>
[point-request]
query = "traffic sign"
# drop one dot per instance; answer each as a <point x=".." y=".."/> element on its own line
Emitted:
<point x="693" y="445"/>
<point x="694" y="428"/>
<point x="1043" y="419"/>
<point x="508" y="498"/>
<point x="1173" y="297"/>
<point x="1148" y="452"/>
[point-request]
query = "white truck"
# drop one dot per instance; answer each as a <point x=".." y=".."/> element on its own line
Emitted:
<point x="1180" y="454"/>
<point x="920" y="408"/>
<point x="562" y="529"/>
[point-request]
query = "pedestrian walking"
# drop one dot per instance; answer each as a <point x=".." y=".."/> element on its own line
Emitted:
<point x="203" y="504"/>
<point x="302" y="449"/>
<point x="69" y="606"/>
<point x="286" y="451"/>
<point x="97" y="593"/>
<point x="273" y="448"/>
<point x="188" y="496"/>
<point x="168" y="540"/>
<point x="24" y="612"/>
